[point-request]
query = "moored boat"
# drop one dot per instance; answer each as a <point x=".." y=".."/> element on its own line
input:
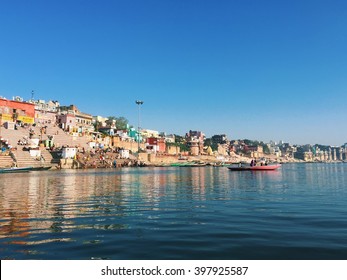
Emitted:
<point x="255" y="168"/>
<point x="40" y="168"/>
<point x="15" y="169"/>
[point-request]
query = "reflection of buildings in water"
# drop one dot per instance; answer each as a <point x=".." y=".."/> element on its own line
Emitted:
<point x="50" y="203"/>
<point x="198" y="180"/>
<point x="15" y="225"/>
<point x="325" y="178"/>
<point x="39" y="202"/>
<point x="146" y="183"/>
<point x="14" y="208"/>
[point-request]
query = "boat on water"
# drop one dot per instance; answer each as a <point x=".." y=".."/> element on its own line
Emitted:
<point x="15" y="169"/>
<point x="40" y="168"/>
<point x="189" y="164"/>
<point x="255" y="168"/>
<point x="24" y="169"/>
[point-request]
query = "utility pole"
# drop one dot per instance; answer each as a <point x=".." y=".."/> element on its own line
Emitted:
<point x="0" y="123"/>
<point x="139" y="103"/>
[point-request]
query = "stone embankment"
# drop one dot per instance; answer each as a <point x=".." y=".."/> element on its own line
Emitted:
<point x="20" y="141"/>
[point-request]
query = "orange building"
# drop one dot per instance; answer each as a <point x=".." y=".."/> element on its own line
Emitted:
<point x="156" y="144"/>
<point x="13" y="111"/>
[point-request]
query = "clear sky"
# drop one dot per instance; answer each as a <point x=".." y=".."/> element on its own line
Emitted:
<point x="265" y="70"/>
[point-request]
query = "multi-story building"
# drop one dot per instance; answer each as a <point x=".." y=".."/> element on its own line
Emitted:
<point x="156" y="145"/>
<point x="16" y="111"/>
<point x="67" y="121"/>
<point x="195" y="140"/>
<point x="170" y="138"/>
<point x="74" y="120"/>
<point x="255" y="151"/>
<point x="45" y="112"/>
<point x="101" y="121"/>
<point x="42" y="105"/>
<point x="146" y="133"/>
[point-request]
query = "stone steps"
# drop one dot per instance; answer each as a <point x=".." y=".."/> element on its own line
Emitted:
<point x="6" y="161"/>
<point x="24" y="159"/>
<point x="49" y="159"/>
<point x="12" y="136"/>
<point x="60" y="137"/>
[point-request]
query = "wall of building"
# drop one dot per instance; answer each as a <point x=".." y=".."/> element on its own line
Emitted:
<point x="11" y="110"/>
<point x="42" y="117"/>
<point x="128" y="145"/>
<point x="173" y="150"/>
<point x="67" y="122"/>
<point x="194" y="149"/>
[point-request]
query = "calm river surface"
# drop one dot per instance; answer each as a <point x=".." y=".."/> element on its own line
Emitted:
<point x="296" y="212"/>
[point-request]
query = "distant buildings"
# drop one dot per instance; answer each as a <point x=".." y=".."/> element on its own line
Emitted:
<point x="72" y="120"/>
<point x="219" y="139"/>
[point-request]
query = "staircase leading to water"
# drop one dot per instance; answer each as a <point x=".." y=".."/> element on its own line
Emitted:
<point x="60" y="137"/>
<point x="49" y="159"/>
<point x="12" y="136"/>
<point x="6" y="161"/>
<point x="24" y="159"/>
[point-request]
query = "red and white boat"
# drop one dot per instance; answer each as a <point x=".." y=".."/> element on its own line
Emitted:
<point x="255" y="168"/>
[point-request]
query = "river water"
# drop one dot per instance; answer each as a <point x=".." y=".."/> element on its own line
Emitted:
<point x="296" y="212"/>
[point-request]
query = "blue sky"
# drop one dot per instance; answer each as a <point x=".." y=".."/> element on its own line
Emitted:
<point x="266" y="70"/>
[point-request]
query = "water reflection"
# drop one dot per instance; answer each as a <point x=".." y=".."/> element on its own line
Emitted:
<point x="43" y="210"/>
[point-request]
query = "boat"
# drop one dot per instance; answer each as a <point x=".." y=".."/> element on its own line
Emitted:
<point x="15" y="169"/>
<point x="179" y="164"/>
<point x="255" y="168"/>
<point x="40" y="168"/>
<point x="189" y="164"/>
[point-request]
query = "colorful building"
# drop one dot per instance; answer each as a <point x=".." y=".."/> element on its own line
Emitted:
<point x="16" y="111"/>
<point x="156" y="145"/>
<point x="73" y="120"/>
<point x="67" y="122"/>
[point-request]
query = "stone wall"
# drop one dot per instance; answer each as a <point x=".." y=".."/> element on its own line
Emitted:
<point x="173" y="150"/>
<point x="128" y="145"/>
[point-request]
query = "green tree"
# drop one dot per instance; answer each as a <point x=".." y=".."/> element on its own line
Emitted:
<point x="209" y="143"/>
<point x="180" y="142"/>
<point x="97" y="125"/>
<point x="121" y="122"/>
<point x="266" y="149"/>
<point x="179" y="139"/>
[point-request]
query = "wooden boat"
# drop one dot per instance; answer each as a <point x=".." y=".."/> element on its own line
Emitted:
<point x="41" y="168"/>
<point x="254" y="168"/>
<point x="193" y="164"/>
<point x="179" y="164"/>
<point x="15" y="169"/>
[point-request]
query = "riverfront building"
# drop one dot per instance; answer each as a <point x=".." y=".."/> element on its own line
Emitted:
<point x="16" y="111"/>
<point x="73" y="120"/>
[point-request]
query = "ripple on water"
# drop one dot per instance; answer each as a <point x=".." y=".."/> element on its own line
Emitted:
<point x="298" y="212"/>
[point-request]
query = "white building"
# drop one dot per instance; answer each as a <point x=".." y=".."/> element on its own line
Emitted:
<point x="69" y="152"/>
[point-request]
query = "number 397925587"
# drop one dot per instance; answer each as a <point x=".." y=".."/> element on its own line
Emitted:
<point x="215" y="270"/>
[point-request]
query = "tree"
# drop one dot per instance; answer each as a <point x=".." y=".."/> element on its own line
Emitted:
<point x="97" y="125"/>
<point x="266" y="149"/>
<point x="209" y="143"/>
<point x="121" y="122"/>
<point x="179" y="139"/>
